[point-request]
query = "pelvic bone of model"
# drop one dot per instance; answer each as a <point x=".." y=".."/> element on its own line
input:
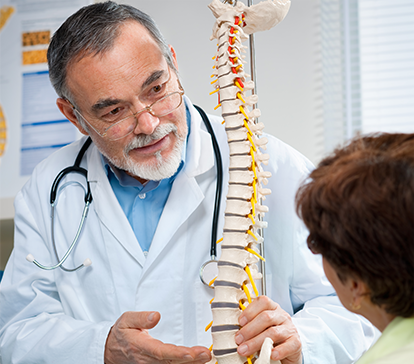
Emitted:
<point x="237" y="267"/>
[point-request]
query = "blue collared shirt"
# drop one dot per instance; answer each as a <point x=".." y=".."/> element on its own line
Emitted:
<point x="143" y="204"/>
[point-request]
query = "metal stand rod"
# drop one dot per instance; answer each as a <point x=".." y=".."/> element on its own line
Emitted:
<point x="254" y="91"/>
<point x="253" y="67"/>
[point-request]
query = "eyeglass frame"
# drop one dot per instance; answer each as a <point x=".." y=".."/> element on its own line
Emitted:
<point x="146" y="108"/>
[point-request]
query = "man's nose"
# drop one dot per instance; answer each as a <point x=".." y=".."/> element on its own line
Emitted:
<point x="146" y="123"/>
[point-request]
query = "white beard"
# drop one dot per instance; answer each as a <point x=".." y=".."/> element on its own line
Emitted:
<point x="164" y="167"/>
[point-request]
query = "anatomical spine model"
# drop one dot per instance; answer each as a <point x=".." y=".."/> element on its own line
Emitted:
<point x="237" y="266"/>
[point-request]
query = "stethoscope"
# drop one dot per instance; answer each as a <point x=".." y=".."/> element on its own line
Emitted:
<point x="53" y="201"/>
<point x="207" y="271"/>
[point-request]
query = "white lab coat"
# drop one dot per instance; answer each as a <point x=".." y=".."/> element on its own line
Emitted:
<point x="61" y="317"/>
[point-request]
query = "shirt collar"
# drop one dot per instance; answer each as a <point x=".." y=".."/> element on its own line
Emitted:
<point x="126" y="180"/>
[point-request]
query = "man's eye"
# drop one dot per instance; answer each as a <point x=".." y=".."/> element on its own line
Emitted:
<point x="157" y="88"/>
<point x="115" y="111"/>
<point x="115" y="114"/>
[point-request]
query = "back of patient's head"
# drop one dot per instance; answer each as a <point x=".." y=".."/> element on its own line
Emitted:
<point x="358" y="205"/>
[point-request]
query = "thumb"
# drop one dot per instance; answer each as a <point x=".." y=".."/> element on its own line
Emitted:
<point x="152" y="319"/>
<point x="140" y="320"/>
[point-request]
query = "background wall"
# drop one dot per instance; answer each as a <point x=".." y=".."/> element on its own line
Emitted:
<point x="286" y="65"/>
<point x="286" y="71"/>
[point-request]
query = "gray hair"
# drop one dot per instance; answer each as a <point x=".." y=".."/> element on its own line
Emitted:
<point x="93" y="30"/>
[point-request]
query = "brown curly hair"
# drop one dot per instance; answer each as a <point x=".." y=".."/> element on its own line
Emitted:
<point x="358" y="206"/>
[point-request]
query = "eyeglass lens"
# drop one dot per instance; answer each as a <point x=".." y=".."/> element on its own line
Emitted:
<point x="159" y="108"/>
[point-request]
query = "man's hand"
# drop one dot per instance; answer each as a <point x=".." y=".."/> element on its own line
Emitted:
<point x="263" y="318"/>
<point x="129" y="342"/>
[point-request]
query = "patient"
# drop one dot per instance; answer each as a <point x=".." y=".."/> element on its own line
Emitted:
<point x="358" y="205"/>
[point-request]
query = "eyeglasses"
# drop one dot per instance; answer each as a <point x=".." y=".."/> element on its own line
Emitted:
<point x="123" y="121"/>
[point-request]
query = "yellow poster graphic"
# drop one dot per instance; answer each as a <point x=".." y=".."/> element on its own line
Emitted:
<point x="5" y="13"/>
<point x="3" y="132"/>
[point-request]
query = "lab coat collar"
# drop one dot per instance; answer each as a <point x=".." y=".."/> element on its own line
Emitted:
<point x="199" y="159"/>
<point x="107" y="205"/>
<point x="184" y="198"/>
<point x="200" y="153"/>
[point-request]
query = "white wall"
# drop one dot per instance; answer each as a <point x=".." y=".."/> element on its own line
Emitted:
<point x="286" y="61"/>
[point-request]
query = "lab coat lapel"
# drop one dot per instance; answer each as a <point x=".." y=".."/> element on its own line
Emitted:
<point x="184" y="198"/>
<point x="185" y="195"/>
<point x="107" y="206"/>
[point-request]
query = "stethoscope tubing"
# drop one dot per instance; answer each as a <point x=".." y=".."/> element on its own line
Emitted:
<point x="53" y="195"/>
<point x="75" y="240"/>
<point x="88" y="200"/>
<point x="219" y="183"/>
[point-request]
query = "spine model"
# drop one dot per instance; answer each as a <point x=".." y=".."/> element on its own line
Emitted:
<point x="237" y="267"/>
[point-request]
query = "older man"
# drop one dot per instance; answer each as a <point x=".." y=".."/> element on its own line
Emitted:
<point x="151" y="173"/>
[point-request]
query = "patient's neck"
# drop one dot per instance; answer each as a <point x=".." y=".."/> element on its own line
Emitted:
<point x="376" y="315"/>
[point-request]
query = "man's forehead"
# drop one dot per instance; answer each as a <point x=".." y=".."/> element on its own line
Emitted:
<point x="132" y="31"/>
<point x="156" y="76"/>
<point x="125" y="60"/>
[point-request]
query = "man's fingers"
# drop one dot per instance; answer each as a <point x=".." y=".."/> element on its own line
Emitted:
<point x="253" y="345"/>
<point x="139" y="320"/>
<point x="197" y="354"/>
<point x="260" y="304"/>
<point x="130" y="342"/>
<point x="179" y="354"/>
<point x="287" y="344"/>
<point x="140" y="347"/>
<point x="265" y="318"/>
<point x="291" y="351"/>
<point x="201" y="354"/>
<point x="260" y="323"/>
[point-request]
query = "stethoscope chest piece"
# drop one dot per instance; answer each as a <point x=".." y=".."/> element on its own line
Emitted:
<point x="208" y="272"/>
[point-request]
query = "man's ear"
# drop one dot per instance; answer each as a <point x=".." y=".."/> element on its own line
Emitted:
<point x="67" y="109"/>
<point x="174" y="56"/>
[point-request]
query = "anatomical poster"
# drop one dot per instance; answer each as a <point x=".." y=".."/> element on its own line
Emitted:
<point x="31" y="125"/>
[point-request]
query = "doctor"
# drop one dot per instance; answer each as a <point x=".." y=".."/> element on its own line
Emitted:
<point x="152" y="177"/>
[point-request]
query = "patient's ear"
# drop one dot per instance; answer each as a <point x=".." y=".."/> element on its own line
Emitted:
<point x="359" y="292"/>
<point x="67" y="109"/>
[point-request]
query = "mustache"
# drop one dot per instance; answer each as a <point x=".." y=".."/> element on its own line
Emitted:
<point x="143" y="140"/>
